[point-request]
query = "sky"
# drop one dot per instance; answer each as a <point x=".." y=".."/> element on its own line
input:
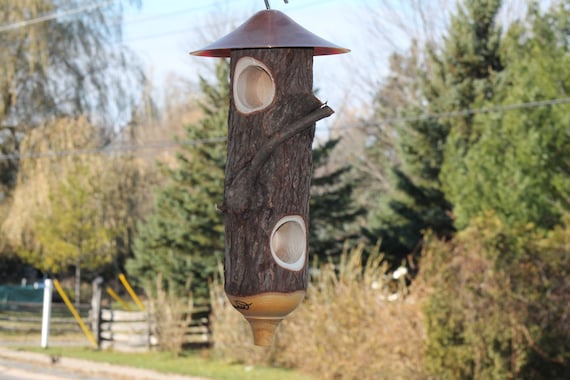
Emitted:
<point x="163" y="32"/>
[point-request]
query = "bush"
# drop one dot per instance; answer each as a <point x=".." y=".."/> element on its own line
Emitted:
<point x="356" y="323"/>
<point x="498" y="302"/>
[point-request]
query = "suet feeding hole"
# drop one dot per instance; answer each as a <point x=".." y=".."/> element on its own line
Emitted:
<point x="288" y="242"/>
<point x="254" y="88"/>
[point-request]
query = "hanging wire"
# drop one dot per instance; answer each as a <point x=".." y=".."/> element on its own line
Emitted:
<point x="269" y="7"/>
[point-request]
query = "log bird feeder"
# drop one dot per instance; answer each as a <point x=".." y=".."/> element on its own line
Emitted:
<point x="271" y="125"/>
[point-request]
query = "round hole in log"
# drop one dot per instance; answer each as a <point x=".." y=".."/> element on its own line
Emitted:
<point x="288" y="242"/>
<point x="254" y="88"/>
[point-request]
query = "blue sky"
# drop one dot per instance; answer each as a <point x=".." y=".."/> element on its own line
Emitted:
<point x="162" y="32"/>
<point x="165" y="30"/>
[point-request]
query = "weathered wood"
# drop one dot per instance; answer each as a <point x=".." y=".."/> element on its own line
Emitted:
<point x="134" y="327"/>
<point x="135" y="331"/>
<point x="38" y="320"/>
<point x="120" y="315"/>
<point x="268" y="171"/>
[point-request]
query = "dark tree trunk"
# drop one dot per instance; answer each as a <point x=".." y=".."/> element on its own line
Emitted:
<point x="268" y="172"/>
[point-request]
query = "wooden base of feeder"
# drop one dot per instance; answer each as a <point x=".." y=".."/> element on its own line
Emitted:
<point x="265" y="311"/>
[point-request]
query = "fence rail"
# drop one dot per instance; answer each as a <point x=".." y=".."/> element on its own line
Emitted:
<point x="137" y="330"/>
<point x="26" y="318"/>
<point x="117" y="329"/>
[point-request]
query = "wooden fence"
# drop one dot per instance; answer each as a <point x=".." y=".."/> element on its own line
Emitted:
<point x="26" y="318"/>
<point x="126" y="330"/>
<point x="138" y="331"/>
<point x="116" y="329"/>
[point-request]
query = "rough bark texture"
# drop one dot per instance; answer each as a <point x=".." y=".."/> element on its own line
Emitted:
<point x="268" y="172"/>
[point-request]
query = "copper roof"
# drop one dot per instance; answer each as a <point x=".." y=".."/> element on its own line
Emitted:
<point x="269" y="29"/>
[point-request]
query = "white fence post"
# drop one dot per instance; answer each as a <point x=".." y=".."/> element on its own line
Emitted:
<point x="46" y="314"/>
<point x="96" y="309"/>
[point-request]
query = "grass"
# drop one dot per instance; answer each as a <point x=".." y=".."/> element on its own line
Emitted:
<point x="191" y="363"/>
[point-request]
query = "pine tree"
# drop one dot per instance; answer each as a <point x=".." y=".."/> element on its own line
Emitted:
<point x="183" y="239"/>
<point x="457" y="76"/>
<point x="507" y="175"/>
<point x="518" y="165"/>
<point x="469" y="66"/>
<point x="414" y="201"/>
<point x="332" y="208"/>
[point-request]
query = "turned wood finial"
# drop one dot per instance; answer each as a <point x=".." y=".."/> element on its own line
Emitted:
<point x="265" y="311"/>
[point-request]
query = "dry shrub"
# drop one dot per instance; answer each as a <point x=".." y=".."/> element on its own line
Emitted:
<point x="352" y="325"/>
<point x="172" y="315"/>
<point x="355" y="326"/>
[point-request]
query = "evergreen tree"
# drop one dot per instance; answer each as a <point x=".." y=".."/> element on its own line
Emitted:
<point x="458" y="76"/>
<point x="418" y="202"/>
<point x="518" y="165"/>
<point x="183" y="239"/>
<point x="414" y="201"/>
<point x="332" y="208"/>
<point x="470" y="65"/>
<point x="508" y="177"/>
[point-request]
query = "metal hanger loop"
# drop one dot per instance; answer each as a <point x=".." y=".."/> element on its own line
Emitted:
<point x="269" y="7"/>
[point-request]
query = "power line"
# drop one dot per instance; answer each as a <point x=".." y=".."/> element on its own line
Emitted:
<point x="215" y="140"/>
<point x="110" y="149"/>
<point x="86" y="8"/>
<point x="52" y="16"/>
<point x="467" y="112"/>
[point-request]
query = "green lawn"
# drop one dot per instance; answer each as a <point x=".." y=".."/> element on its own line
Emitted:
<point x="190" y="363"/>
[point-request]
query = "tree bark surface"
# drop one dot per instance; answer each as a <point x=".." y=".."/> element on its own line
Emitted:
<point x="268" y="172"/>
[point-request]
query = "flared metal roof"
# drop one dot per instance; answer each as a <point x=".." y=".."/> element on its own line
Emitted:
<point x="269" y="29"/>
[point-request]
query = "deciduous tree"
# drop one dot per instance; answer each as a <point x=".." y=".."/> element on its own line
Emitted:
<point x="79" y="187"/>
<point x="72" y="233"/>
<point x="71" y="64"/>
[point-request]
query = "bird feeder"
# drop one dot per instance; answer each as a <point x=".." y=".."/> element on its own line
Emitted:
<point x="271" y="126"/>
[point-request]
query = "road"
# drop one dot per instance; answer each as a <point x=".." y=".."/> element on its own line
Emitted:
<point x="17" y="370"/>
<point x="23" y="365"/>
